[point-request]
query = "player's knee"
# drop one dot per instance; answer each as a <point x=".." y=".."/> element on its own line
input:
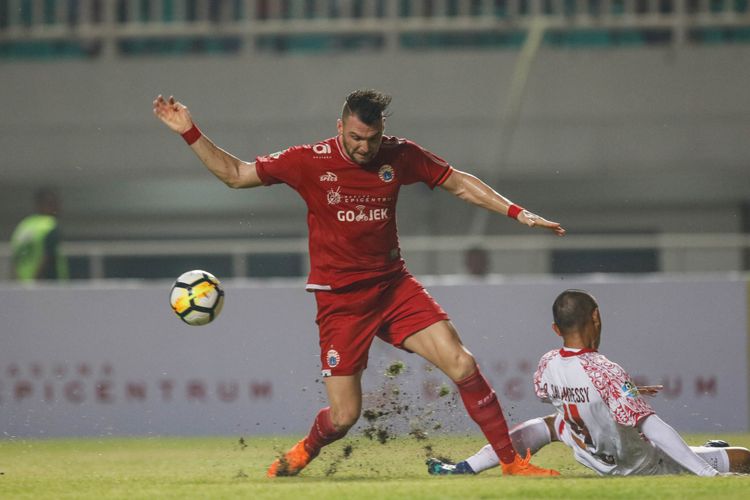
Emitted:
<point x="344" y="418"/>
<point x="464" y="365"/>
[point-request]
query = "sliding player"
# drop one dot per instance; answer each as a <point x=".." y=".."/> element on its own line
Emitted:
<point x="600" y="413"/>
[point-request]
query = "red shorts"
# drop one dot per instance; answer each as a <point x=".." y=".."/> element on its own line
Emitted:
<point x="393" y="308"/>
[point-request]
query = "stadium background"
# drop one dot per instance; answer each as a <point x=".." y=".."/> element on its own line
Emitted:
<point x="628" y="121"/>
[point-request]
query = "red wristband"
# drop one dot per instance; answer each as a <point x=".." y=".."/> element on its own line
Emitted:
<point x="192" y="135"/>
<point x="514" y="210"/>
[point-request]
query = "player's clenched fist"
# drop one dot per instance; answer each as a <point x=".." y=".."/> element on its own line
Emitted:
<point x="174" y="114"/>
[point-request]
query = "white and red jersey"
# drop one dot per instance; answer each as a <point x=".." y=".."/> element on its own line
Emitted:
<point x="598" y="409"/>
<point x="351" y="208"/>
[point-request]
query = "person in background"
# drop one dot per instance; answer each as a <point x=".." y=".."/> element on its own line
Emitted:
<point x="477" y="262"/>
<point x="35" y="242"/>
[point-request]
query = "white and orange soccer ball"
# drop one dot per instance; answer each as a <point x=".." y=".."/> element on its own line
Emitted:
<point x="197" y="297"/>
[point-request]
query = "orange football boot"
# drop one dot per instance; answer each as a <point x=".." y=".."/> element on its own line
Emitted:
<point x="292" y="462"/>
<point x="523" y="467"/>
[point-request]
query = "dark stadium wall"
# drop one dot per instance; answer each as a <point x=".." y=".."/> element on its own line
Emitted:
<point x="628" y="139"/>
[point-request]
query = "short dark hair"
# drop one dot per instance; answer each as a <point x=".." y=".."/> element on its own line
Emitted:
<point x="367" y="104"/>
<point x="572" y="309"/>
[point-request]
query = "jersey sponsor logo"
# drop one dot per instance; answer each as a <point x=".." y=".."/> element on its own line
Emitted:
<point x="322" y="149"/>
<point x="328" y="177"/>
<point x="365" y="198"/>
<point x="386" y="173"/>
<point x="629" y="389"/>
<point x="361" y="214"/>
<point x="489" y="398"/>
<point x="333" y="196"/>
<point x="333" y="358"/>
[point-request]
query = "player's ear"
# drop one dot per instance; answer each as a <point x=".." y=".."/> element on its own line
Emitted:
<point x="556" y="330"/>
<point x="596" y="318"/>
<point x="340" y="126"/>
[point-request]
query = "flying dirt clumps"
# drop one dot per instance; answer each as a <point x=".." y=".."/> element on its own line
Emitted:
<point x="395" y="369"/>
<point x="333" y="467"/>
<point x="374" y="429"/>
<point x="392" y="411"/>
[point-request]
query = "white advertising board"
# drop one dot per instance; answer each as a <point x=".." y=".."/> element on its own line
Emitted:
<point x="113" y="359"/>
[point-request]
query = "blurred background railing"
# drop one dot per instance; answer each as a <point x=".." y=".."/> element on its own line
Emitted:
<point x="435" y="255"/>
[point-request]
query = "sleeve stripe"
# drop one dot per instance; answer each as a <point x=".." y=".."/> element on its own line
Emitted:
<point x="260" y="169"/>
<point x="444" y="177"/>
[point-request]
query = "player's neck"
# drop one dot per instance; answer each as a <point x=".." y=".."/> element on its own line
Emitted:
<point x="576" y="347"/>
<point x="578" y="341"/>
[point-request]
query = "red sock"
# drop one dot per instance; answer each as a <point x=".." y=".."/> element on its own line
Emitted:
<point x="484" y="408"/>
<point x="322" y="433"/>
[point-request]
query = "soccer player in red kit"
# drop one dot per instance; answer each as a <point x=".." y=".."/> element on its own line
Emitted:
<point x="350" y="184"/>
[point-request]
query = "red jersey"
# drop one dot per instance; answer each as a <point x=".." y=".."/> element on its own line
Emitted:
<point x="351" y="208"/>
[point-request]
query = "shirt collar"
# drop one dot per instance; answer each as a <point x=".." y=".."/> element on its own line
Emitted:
<point x="567" y="352"/>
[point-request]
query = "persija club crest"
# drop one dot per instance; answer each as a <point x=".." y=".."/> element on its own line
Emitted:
<point x="386" y="173"/>
<point x="333" y="358"/>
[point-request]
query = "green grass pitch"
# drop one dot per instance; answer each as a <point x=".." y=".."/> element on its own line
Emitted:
<point x="228" y="467"/>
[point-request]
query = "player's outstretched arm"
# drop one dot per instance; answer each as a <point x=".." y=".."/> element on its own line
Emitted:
<point x="666" y="439"/>
<point x="232" y="171"/>
<point x="472" y="190"/>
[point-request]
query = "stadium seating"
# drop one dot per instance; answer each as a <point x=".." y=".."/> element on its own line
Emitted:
<point x="52" y="29"/>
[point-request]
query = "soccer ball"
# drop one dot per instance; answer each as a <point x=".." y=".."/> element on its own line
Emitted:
<point x="196" y="297"/>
